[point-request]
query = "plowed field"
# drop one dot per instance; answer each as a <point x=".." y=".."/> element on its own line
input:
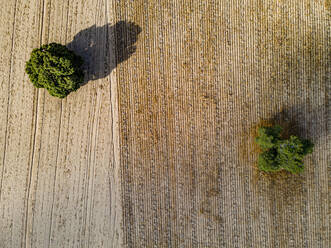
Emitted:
<point x="157" y="149"/>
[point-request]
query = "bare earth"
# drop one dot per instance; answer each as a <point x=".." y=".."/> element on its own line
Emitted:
<point x="160" y="151"/>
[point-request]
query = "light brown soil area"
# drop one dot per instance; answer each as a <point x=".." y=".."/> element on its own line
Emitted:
<point x="59" y="177"/>
<point x="160" y="152"/>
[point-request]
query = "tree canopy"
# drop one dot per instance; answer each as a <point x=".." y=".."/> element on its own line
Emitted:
<point x="278" y="153"/>
<point x="55" y="68"/>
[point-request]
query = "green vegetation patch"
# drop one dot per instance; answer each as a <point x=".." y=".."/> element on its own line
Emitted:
<point x="281" y="154"/>
<point x="55" y="68"/>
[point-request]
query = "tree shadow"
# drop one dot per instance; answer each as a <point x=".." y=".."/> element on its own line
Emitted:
<point x="302" y="120"/>
<point x="104" y="47"/>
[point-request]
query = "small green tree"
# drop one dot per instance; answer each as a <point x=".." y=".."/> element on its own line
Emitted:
<point x="55" y="68"/>
<point x="278" y="153"/>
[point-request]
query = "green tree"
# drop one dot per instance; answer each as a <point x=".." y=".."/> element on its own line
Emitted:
<point x="55" y="68"/>
<point x="278" y="153"/>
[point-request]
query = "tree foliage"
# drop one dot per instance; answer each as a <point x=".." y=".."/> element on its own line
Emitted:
<point x="55" y="68"/>
<point x="278" y="153"/>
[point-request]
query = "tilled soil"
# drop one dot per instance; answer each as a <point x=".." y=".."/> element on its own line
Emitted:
<point x="157" y="148"/>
